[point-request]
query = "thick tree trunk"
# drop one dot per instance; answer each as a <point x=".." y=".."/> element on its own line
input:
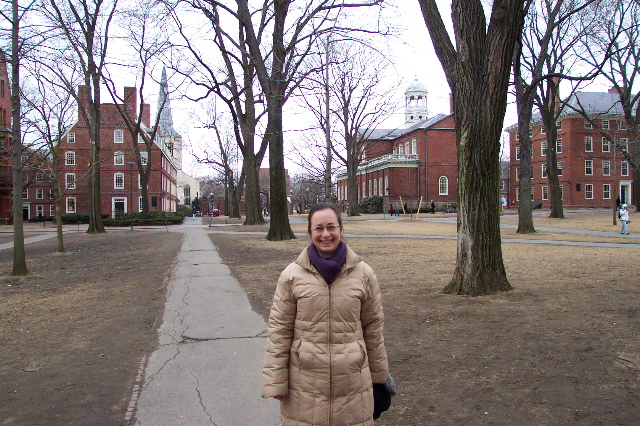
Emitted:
<point x="96" y="226"/>
<point x="524" y="101"/>
<point x="478" y="74"/>
<point x="252" y="192"/>
<point x="352" y="187"/>
<point x="549" y="120"/>
<point x="19" y="258"/>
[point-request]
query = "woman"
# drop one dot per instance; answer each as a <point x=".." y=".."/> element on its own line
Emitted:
<point x="325" y="346"/>
<point x="624" y="218"/>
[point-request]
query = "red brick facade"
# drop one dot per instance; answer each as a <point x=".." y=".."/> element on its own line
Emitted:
<point x="593" y="171"/>
<point x="410" y="164"/>
<point x="118" y="180"/>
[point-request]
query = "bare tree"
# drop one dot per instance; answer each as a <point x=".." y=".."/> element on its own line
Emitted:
<point x="233" y="83"/>
<point x="85" y="26"/>
<point x="478" y="74"/>
<point x="617" y="40"/>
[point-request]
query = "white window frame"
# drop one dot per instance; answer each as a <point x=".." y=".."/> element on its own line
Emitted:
<point x="543" y="129"/>
<point x="588" y="167"/>
<point x="559" y="146"/>
<point x="443" y="185"/>
<point x="25" y="194"/>
<point x="70" y="180"/>
<point x="588" y="144"/>
<point x="118" y="158"/>
<point x="414" y="146"/>
<point x="39" y="177"/>
<point x="144" y="158"/>
<point x="606" y="168"/>
<point x="624" y="143"/>
<point x="543" y="148"/>
<point x="52" y="210"/>
<point x="70" y="158"/>
<point x="118" y="181"/>
<point x="39" y="210"/>
<point x="543" y="167"/>
<point x="517" y="153"/>
<point x="588" y="191"/>
<point x="39" y="194"/>
<point x="606" y="145"/>
<point x="606" y="191"/>
<point x="558" y="124"/>
<point x="587" y="124"/>
<point x="559" y="168"/>
<point x="118" y="136"/>
<point x="70" y="201"/>
<point x="71" y="138"/>
<point x="624" y="168"/>
<point x="623" y="125"/>
<point x="545" y="193"/>
<point x="605" y="124"/>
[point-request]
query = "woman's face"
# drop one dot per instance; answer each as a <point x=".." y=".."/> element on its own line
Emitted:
<point x="325" y="232"/>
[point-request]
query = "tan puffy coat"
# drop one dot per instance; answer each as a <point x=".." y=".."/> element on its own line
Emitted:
<point x="325" y="346"/>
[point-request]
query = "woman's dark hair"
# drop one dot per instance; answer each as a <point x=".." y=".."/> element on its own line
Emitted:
<point x="323" y="206"/>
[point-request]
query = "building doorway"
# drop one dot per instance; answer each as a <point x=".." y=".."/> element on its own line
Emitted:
<point x="25" y="213"/>
<point x="118" y="206"/>
<point x="625" y="192"/>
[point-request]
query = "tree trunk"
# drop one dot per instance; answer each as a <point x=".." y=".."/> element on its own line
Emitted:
<point x="96" y="226"/>
<point x="252" y="191"/>
<point x="478" y="74"/>
<point x="352" y="188"/>
<point x="19" y="258"/>
<point x="549" y="120"/>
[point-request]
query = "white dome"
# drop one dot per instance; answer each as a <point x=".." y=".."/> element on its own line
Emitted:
<point x="416" y="86"/>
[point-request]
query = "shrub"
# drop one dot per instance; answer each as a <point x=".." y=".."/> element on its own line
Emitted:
<point x="151" y="218"/>
<point x="371" y="204"/>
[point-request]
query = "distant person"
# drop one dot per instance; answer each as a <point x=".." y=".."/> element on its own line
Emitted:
<point x="624" y="218"/>
<point x="433" y="207"/>
<point x="390" y="209"/>
<point x="397" y="210"/>
<point x="405" y="209"/>
<point x="325" y="346"/>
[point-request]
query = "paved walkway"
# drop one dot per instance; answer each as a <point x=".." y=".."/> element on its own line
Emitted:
<point x="207" y="369"/>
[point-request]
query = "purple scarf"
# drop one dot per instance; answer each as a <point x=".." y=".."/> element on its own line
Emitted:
<point x="330" y="267"/>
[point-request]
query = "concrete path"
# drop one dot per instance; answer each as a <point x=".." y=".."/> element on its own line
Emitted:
<point x="207" y="369"/>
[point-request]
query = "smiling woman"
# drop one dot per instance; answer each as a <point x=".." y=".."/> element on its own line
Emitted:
<point x="325" y="360"/>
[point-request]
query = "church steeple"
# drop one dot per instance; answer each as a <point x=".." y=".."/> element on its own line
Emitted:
<point x="165" y="123"/>
<point x="415" y="103"/>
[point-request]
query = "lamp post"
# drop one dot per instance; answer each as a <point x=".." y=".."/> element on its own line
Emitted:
<point x="131" y="164"/>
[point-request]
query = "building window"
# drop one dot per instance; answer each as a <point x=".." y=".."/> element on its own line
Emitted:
<point x="606" y="168"/>
<point x="588" y="191"/>
<point x="518" y="173"/>
<point x="40" y="211"/>
<point x="25" y="194"/>
<point x="606" y="191"/>
<point x="559" y="124"/>
<point x="39" y="177"/>
<point x="52" y="210"/>
<point x="70" y="158"/>
<point x="118" y="136"/>
<point x="414" y="146"/>
<point x="386" y="185"/>
<point x="118" y="158"/>
<point x="624" y="144"/>
<point x="544" y="170"/>
<point x="606" y="145"/>
<point x="624" y="168"/>
<point x="443" y="185"/>
<point x="559" y="146"/>
<point x="71" y="204"/>
<point x="39" y="194"/>
<point x="543" y="129"/>
<point x="154" y="201"/>
<point x="587" y="124"/>
<point x="605" y="124"/>
<point x="140" y="204"/>
<point x="144" y="158"/>
<point x="517" y="153"/>
<point x="543" y="148"/>
<point x="588" y="167"/>
<point x="501" y="185"/>
<point x="70" y="180"/>
<point x="532" y="192"/>
<point x="545" y="193"/>
<point x="623" y="125"/>
<point x="517" y="194"/>
<point x="588" y="144"/>
<point x="118" y="180"/>
<point x="71" y="138"/>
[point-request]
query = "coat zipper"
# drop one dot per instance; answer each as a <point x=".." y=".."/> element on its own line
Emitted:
<point x="330" y="356"/>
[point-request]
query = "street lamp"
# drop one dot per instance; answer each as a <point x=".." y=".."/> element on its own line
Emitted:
<point x="131" y="164"/>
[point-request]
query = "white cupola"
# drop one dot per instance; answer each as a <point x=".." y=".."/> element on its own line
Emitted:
<point x="415" y="103"/>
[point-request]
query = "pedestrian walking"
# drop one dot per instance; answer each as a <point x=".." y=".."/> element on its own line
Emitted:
<point x="325" y="359"/>
<point x="624" y="218"/>
<point x="433" y="207"/>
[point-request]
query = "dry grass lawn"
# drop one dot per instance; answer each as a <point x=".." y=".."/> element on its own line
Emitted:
<point x="561" y="348"/>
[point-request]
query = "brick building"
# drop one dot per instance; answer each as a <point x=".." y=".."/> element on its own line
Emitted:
<point x="592" y="171"/>
<point x="119" y="180"/>
<point x="418" y="161"/>
<point x="6" y="175"/>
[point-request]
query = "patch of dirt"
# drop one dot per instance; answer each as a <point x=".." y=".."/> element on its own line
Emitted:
<point x="562" y="348"/>
<point x="74" y="331"/>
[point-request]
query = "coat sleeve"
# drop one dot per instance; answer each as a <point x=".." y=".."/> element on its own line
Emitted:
<point x="372" y="319"/>
<point x="275" y="374"/>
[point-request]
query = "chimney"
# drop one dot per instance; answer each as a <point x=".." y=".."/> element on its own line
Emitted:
<point x="146" y="115"/>
<point x="130" y="101"/>
<point x="83" y="100"/>
<point x="614" y="89"/>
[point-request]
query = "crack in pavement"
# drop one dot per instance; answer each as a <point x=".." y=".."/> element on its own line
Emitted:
<point x="188" y="340"/>
<point x="204" y="408"/>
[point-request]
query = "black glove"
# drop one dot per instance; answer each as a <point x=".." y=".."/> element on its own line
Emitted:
<point x="381" y="399"/>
